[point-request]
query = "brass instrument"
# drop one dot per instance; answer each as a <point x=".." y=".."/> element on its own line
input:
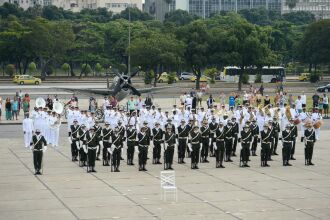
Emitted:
<point x="40" y="102"/>
<point x="242" y="117"/>
<point x="288" y="113"/>
<point x="261" y="110"/>
<point x="267" y="111"/>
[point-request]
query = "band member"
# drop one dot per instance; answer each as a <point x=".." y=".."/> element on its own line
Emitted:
<point x="28" y="130"/>
<point x="310" y="139"/>
<point x="157" y="134"/>
<point x="92" y="144"/>
<point x="235" y="131"/>
<point x="206" y="141"/>
<point x="143" y="144"/>
<point x="74" y="140"/>
<point x="169" y="145"/>
<point x="246" y="138"/>
<point x="131" y="135"/>
<point x="287" y="145"/>
<point x="294" y="132"/>
<point x="106" y="139"/>
<point x="117" y="143"/>
<point x="228" y="140"/>
<point x="219" y="145"/>
<point x="82" y="148"/>
<point x="277" y="130"/>
<point x="265" y="144"/>
<point x="170" y="124"/>
<point x="213" y="128"/>
<point x="190" y="126"/>
<point x="317" y="122"/>
<point x="183" y="132"/>
<point x="38" y="146"/>
<point x="194" y="146"/>
<point x="272" y="131"/>
<point x="98" y="133"/>
<point x="255" y="135"/>
<point x="121" y="130"/>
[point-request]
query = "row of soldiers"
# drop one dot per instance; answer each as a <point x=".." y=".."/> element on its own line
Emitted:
<point x="214" y="139"/>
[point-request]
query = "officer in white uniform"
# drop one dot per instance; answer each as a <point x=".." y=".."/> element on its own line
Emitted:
<point x="28" y="130"/>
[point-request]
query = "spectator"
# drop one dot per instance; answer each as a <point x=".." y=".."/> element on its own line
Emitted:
<point x="200" y="97"/>
<point x="320" y="106"/>
<point x="183" y="98"/>
<point x="26" y="106"/>
<point x="299" y="106"/>
<point x="139" y="105"/>
<point x="0" y="107"/>
<point x="231" y="100"/>
<point x="325" y="105"/>
<point x="8" y="109"/>
<point x="238" y="100"/>
<point x="291" y="101"/>
<point x="315" y="99"/>
<point x="258" y="98"/>
<point x="210" y="101"/>
<point x="148" y="101"/>
<point x="194" y="103"/>
<point x="303" y="99"/>
<point x="222" y="99"/>
<point x="113" y="101"/>
<point x="245" y="98"/>
<point x="131" y="105"/>
<point x="261" y="90"/>
<point x="14" y="108"/>
<point x="49" y="103"/>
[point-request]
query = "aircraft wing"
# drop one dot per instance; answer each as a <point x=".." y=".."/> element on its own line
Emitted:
<point x="151" y="89"/>
<point x="103" y="92"/>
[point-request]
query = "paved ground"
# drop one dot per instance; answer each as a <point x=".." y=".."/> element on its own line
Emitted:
<point x="66" y="191"/>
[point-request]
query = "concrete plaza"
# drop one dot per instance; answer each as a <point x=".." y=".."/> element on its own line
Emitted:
<point x="66" y="191"/>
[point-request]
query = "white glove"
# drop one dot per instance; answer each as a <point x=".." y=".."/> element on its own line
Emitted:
<point x="85" y="148"/>
<point x="110" y="150"/>
<point x="210" y="141"/>
<point x="30" y="147"/>
<point x="70" y="140"/>
<point x="215" y="146"/>
<point x="165" y="146"/>
<point x="200" y="146"/>
<point x="190" y="147"/>
<point x="97" y="148"/>
<point x="176" y="142"/>
<point x="137" y="149"/>
<point x="78" y="145"/>
<point x="45" y="149"/>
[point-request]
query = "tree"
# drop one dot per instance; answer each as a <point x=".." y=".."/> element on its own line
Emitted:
<point x="86" y="69"/>
<point x="179" y="17"/>
<point x="196" y="37"/>
<point x="155" y="51"/>
<point x="66" y="68"/>
<point x="8" y="9"/>
<point x="32" y="67"/>
<point x="299" y="17"/>
<point x="314" y="47"/>
<point x="135" y="14"/>
<point x="211" y="72"/>
<point x="10" y="70"/>
<point x="98" y="69"/>
<point x="291" y="3"/>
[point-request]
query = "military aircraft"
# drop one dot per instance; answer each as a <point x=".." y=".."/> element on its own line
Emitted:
<point x="120" y="87"/>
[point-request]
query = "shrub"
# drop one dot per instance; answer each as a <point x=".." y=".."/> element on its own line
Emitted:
<point x="245" y="78"/>
<point x="258" y="78"/>
<point x="171" y="78"/>
<point x="10" y="70"/>
<point x="32" y="67"/>
<point x="211" y="72"/>
<point x="86" y="69"/>
<point x="314" y="77"/>
<point x="66" y="68"/>
<point x="148" y="76"/>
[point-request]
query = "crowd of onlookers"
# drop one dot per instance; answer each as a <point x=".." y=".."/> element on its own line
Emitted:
<point x="13" y="107"/>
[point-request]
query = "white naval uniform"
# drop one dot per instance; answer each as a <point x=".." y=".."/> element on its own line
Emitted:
<point x="302" y="116"/>
<point x="316" y="117"/>
<point x="28" y="130"/>
<point x="38" y="123"/>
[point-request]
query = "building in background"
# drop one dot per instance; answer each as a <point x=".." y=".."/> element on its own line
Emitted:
<point x="158" y="8"/>
<point x="320" y="8"/>
<point x="116" y="6"/>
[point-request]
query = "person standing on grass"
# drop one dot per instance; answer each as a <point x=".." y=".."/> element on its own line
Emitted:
<point x="303" y="99"/>
<point x="320" y="106"/>
<point x="14" y="108"/>
<point x="315" y="99"/>
<point x="8" y="109"/>
<point x="299" y="104"/>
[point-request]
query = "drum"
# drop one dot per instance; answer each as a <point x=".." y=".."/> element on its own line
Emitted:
<point x="317" y="124"/>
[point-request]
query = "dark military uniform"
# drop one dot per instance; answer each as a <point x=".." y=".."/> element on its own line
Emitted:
<point x="265" y="146"/>
<point x="189" y="128"/>
<point x="195" y="140"/>
<point x="131" y="134"/>
<point x="122" y="133"/>
<point x="73" y="134"/>
<point x="272" y="131"/>
<point x="106" y="136"/>
<point x="171" y="126"/>
<point x="98" y="132"/>
<point x="92" y="143"/>
<point x="205" y="139"/>
<point x="235" y="130"/>
<point x="220" y="146"/>
<point x="183" y="132"/>
<point x="143" y="144"/>
<point x="228" y="142"/>
<point x="117" y="144"/>
<point x="157" y="140"/>
<point x="246" y="138"/>
<point x="169" y="141"/>
<point x="277" y="130"/>
<point x="213" y="128"/>
<point x="37" y="144"/>
<point x="310" y="139"/>
<point x="287" y="145"/>
<point x="82" y="154"/>
<point x="294" y="132"/>
<point x="255" y="134"/>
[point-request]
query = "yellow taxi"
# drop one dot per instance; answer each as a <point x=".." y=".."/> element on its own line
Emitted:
<point x="202" y="79"/>
<point x="164" y="78"/>
<point x="27" y="79"/>
<point x="304" y="76"/>
<point x="15" y="78"/>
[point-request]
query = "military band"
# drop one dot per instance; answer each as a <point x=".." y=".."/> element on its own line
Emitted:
<point x="202" y="134"/>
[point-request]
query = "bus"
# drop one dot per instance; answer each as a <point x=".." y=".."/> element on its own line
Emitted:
<point x="269" y="74"/>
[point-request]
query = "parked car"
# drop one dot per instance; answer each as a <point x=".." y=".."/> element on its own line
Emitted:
<point x="164" y="79"/>
<point x="304" y="77"/>
<point x="323" y="88"/>
<point x="186" y="76"/>
<point x="202" y="79"/>
<point x="15" y="78"/>
<point x="27" y="79"/>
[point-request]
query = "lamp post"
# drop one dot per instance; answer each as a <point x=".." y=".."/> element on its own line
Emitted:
<point x="129" y="39"/>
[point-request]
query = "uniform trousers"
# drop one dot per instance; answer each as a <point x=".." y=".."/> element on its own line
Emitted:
<point x="265" y="152"/>
<point x="74" y="148"/>
<point x="130" y="150"/>
<point x="235" y="139"/>
<point x="27" y="138"/>
<point x="220" y="151"/>
<point x="169" y="153"/>
<point x="143" y="153"/>
<point x="37" y="159"/>
<point x="156" y="151"/>
<point x="105" y="152"/>
<point x="254" y="144"/>
<point x="205" y="147"/>
<point x="182" y="147"/>
<point x="245" y="152"/>
<point x="116" y="155"/>
<point x="229" y="146"/>
<point x="293" y="147"/>
<point x="286" y="152"/>
<point x="195" y="153"/>
<point x="309" y="151"/>
<point x="91" y="153"/>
